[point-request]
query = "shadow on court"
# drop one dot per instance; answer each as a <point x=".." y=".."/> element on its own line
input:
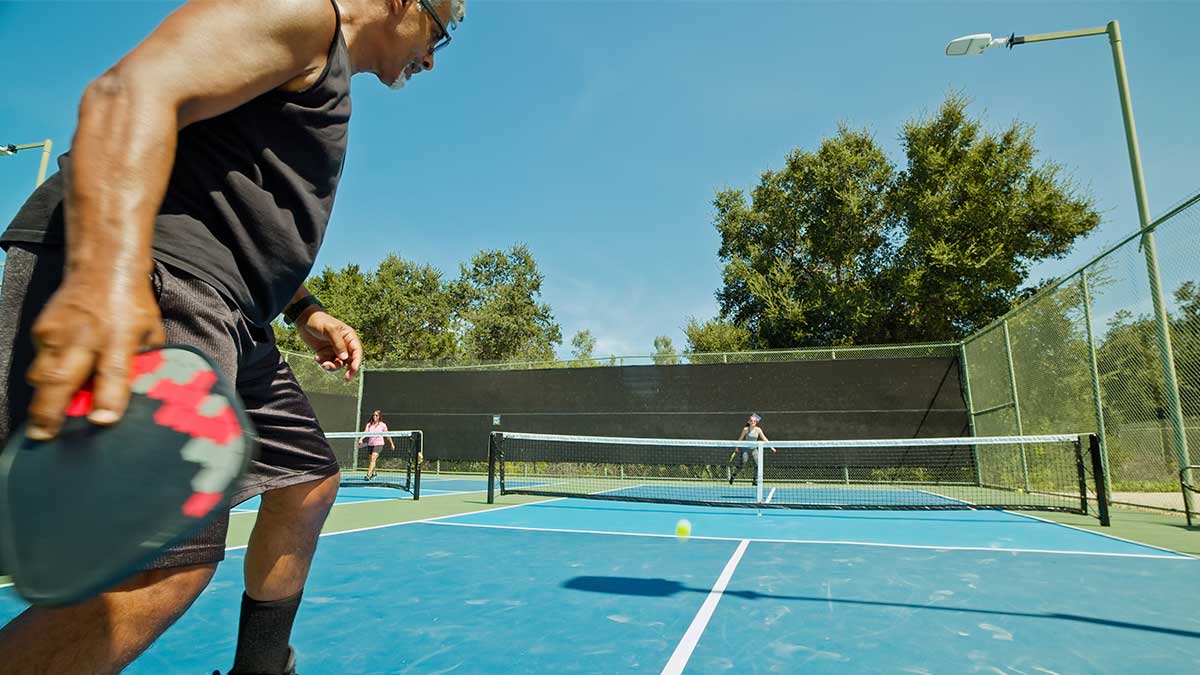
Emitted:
<point x="661" y="588"/>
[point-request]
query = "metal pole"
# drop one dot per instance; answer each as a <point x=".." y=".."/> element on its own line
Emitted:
<point x="966" y="380"/>
<point x="362" y="375"/>
<point x="45" y="145"/>
<point x="45" y="161"/>
<point x="1096" y="399"/>
<point x="1161" y="321"/>
<point x="1012" y="383"/>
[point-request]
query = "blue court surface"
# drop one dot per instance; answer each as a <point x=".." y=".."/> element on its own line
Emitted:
<point x="578" y="586"/>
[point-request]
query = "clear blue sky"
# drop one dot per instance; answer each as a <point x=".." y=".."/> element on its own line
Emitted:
<point x="598" y="132"/>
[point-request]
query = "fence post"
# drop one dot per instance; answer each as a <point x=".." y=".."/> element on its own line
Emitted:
<point x="1162" y="324"/>
<point x="966" y="385"/>
<point x="1096" y="393"/>
<point x="362" y="375"/>
<point x="1012" y="383"/>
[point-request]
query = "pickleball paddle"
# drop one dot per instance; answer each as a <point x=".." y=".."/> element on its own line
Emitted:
<point x="84" y="510"/>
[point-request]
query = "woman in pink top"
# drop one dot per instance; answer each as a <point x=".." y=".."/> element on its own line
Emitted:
<point x="375" y="443"/>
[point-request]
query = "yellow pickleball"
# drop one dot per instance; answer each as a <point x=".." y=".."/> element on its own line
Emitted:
<point x="683" y="529"/>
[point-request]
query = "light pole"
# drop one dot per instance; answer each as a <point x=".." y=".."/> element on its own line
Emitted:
<point x="8" y="150"/>
<point x="972" y="45"/>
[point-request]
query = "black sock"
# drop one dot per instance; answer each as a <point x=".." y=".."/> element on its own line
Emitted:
<point x="263" y="634"/>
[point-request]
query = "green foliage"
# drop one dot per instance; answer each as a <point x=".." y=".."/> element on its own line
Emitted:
<point x="977" y="212"/>
<point x="583" y="344"/>
<point x="803" y="261"/>
<point x="402" y="310"/>
<point x="408" y="312"/>
<point x="841" y="247"/>
<point x="499" y="292"/>
<point x="715" y="335"/>
<point x="664" y="351"/>
<point x="1129" y="369"/>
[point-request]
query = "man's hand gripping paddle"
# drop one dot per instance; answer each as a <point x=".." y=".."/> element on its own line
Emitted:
<point x="84" y="510"/>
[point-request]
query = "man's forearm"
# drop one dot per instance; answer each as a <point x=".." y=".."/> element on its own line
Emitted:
<point x="121" y="160"/>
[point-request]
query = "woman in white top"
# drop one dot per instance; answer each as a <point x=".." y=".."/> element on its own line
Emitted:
<point x="375" y="443"/>
<point x="744" y="456"/>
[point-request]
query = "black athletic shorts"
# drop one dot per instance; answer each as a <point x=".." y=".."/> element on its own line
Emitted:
<point x="292" y="447"/>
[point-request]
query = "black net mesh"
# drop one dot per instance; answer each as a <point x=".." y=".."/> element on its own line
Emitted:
<point x="1029" y="472"/>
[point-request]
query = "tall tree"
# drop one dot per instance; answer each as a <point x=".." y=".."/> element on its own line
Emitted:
<point x="402" y="310"/>
<point x="841" y="247"/>
<point x="499" y="294"/>
<point x="977" y="212"/>
<point x="803" y="259"/>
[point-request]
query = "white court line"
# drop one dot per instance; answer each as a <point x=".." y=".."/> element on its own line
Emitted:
<point x="372" y="500"/>
<point x="928" y="547"/>
<point x="434" y="519"/>
<point x="769" y="495"/>
<point x="941" y="496"/>
<point x="234" y="512"/>
<point x="1022" y="514"/>
<point x="683" y="651"/>
<point x="1098" y="534"/>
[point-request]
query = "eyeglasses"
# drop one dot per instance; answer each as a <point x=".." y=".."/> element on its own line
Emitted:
<point x="445" y="38"/>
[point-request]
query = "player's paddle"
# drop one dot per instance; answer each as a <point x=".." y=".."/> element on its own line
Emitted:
<point x="84" y="510"/>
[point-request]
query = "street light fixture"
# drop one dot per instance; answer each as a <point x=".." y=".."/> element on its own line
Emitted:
<point x="10" y="150"/>
<point x="973" y="45"/>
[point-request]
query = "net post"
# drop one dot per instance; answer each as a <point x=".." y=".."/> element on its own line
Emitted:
<point x="492" y="452"/>
<point x="1099" y="478"/>
<point x="1187" y="489"/>
<point x="354" y="452"/>
<point x="415" y="465"/>
<point x="758" y="473"/>
<point x="1183" y="488"/>
<point x="1082" y="471"/>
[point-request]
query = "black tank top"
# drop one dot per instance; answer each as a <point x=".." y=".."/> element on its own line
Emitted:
<point x="249" y="195"/>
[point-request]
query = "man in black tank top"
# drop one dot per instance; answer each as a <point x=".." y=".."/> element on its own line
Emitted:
<point x="190" y="210"/>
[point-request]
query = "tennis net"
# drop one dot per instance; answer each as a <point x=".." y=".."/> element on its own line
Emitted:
<point x="1011" y="472"/>
<point x="394" y="463"/>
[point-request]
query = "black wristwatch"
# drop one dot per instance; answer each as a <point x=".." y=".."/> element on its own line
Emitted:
<point x="294" y="310"/>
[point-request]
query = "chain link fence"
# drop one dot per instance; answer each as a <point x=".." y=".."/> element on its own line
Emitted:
<point x="1084" y="355"/>
<point x="762" y="356"/>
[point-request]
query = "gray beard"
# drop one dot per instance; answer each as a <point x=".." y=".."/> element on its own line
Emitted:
<point x="399" y="82"/>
